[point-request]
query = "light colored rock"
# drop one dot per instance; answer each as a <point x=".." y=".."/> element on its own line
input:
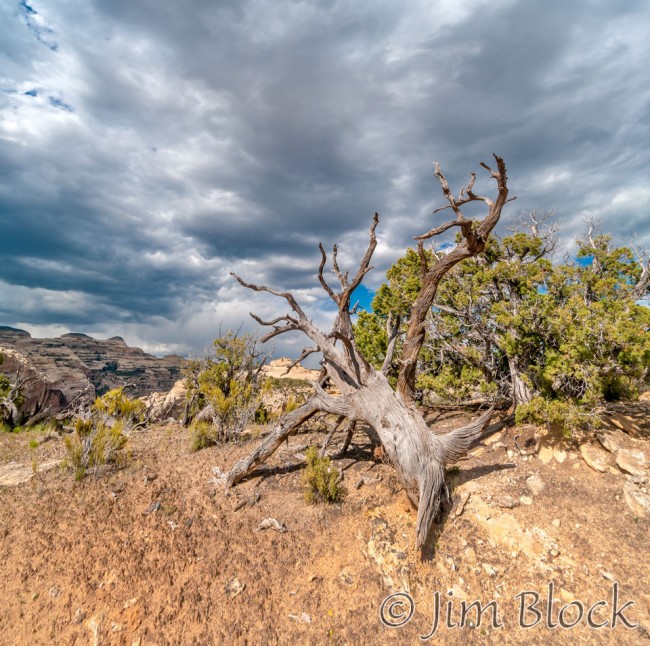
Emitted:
<point x="490" y="570"/>
<point x="625" y="423"/>
<point x="13" y="473"/>
<point x="278" y="368"/>
<point x="594" y="457"/>
<point x="645" y="397"/>
<point x="559" y="456"/>
<point x="545" y="454"/>
<point x="633" y="462"/>
<point x="234" y="587"/>
<point x="504" y="529"/>
<point x="162" y="406"/>
<point x="612" y="440"/>
<point x="636" y="500"/>
<point x="387" y="554"/>
<point x="470" y="555"/>
<point x="526" y="500"/>
<point x="507" y="502"/>
<point x="535" y="484"/>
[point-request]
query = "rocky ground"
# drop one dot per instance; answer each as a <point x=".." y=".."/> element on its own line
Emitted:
<point x="155" y="553"/>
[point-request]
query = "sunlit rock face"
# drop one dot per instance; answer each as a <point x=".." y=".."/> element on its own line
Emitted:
<point x="59" y="370"/>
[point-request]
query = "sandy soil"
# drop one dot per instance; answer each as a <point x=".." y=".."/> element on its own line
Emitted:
<point x="84" y="563"/>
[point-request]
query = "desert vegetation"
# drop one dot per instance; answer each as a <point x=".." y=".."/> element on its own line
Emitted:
<point x="516" y="326"/>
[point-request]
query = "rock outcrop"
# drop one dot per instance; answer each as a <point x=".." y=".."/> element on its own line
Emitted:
<point x="56" y="371"/>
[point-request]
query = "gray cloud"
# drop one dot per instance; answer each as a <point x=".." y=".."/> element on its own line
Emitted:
<point x="149" y="148"/>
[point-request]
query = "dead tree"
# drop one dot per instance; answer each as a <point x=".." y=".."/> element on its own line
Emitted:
<point x="418" y="455"/>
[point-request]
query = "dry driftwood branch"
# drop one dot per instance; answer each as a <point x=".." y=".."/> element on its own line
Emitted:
<point x="474" y="239"/>
<point x="419" y="456"/>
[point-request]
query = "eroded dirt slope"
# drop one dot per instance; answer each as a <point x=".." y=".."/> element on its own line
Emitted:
<point x="157" y="554"/>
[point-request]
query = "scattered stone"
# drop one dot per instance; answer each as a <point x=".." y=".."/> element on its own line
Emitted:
<point x="489" y="569"/>
<point x="152" y="508"/>
<point x="545" y="454"/>
<point x="272" y="523"/>
<point x="507" y="502"/>
<point x="555" y="522"/>
<point x="560" y="456"/>
<point x="304" y="618"/>
<point x="494" y="438"/>
<point x="594" y="457"/>
<point x="234" y="587"/>
<point x="459" y="501"/>
<point x="79" y="616"/>
<point x="535" y="484"/>
<point x="526" y="500"/>
<point x="636" y="500"/>
<point x="251" y="501"/>
<point x="613" y="470"/>
<point x="607" y="575"/>
<point x="345" y="577"/>
<point x="13" y="473"/>
<point x="625" y="424"/>
<point x="611" y="440"/>
<point x="384" y="550"/>
<point x="470" y="555"/>
<point x="54" y="591"/>
<point x="94" y="625"/>
<point x="633" y="462"/>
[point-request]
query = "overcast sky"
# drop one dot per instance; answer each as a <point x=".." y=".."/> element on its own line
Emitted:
<point x="150" y="147"/>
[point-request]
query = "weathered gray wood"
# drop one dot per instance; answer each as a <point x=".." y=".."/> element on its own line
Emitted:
<point x="418" y="455"/>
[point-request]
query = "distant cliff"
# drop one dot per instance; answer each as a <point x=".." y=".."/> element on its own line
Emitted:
<point x="58" y="370"/>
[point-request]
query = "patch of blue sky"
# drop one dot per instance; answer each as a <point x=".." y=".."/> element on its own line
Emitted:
<point x="58" y="103"/>
<point x="31" y="23"/>
<point x="364" y="296"/>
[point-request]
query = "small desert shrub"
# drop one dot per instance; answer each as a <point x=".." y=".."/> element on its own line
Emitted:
<point x="116" y="404"/>
<point x="100" y="435"/>
<point x="321" y="479"/>
<point x="202" y="435"/>
<point x="226" y="390"/>
<point x="93" y="445"/>
<point x="294" y="401"/>
<point x="568" y="416"/>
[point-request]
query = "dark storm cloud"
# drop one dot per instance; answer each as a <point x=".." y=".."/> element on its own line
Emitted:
<point x="160" y="145"/>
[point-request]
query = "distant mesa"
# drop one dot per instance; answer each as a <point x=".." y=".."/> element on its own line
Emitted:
<point x="75" y="364"/>
<point x="13" y="331"/>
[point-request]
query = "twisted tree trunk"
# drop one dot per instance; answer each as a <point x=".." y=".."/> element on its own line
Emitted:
<point x="419" y="456"/>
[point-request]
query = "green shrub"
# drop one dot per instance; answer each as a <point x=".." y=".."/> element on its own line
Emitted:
<point x="93" y="445"/>
<point x="321" y="479"/>
<point x="570" y="417"/>
<point x="226" y="390"/>
<point x="116" y="404"/>
<point x="202" y="435"/>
